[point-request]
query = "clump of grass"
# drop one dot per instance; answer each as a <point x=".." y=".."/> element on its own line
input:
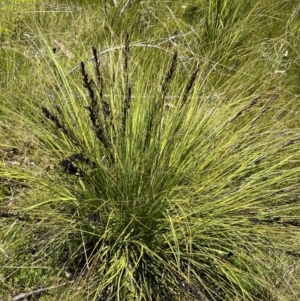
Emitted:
<point x="168" y="173"/>
<point x="160" y="192"/>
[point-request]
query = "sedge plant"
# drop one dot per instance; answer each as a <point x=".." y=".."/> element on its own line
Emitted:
<point x="157" y="190"/>
<point x="160" y="175"/>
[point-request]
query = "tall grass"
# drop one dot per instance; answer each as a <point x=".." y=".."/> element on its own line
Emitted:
<point x="159" y="172"/>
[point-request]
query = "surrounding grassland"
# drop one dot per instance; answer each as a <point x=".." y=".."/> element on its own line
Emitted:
<point x="149" y="150"/>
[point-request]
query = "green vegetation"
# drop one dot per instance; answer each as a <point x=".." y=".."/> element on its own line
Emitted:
<point x="149" y="150"/>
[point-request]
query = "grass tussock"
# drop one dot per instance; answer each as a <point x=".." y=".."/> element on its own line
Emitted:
<point x="166" y="171"/>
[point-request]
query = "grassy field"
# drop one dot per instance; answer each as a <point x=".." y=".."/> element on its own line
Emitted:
<point x="149" y="150"/>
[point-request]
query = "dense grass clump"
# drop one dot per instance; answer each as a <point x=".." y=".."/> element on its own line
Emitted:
<point x="151" y="171"/>
<point x="162" y="196"/>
